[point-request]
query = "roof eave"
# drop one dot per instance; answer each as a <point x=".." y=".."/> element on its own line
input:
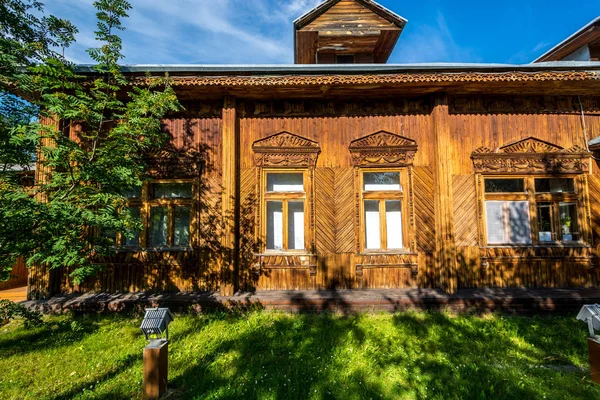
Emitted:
<point x="568" y="40"/>
<point x="380" y="10"/>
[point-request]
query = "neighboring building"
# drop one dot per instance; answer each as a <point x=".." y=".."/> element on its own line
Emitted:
<point x="583" y="45"/>
<point x="366" y="175"/>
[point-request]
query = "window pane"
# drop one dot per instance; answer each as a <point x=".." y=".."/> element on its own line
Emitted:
<point x="372" y="232"/>
<point x="545" y="222"/>
<point x="274" y="225"/>
<point x="518" y="221"/>
<point x="296" y="225"/>
<point x="133" y="193"/>
<point x="181" y="226"/>
<point x="111" y="235"/>
<point x="172" y="190"/>
<point x="381" y="181"/>
<point x="288" y="182"/>
<point x="504" y="185"/>
<point x="393" y="219"/>
<point x="554" y="185"/>
<point x="135" y="241"/>
<point x="494" y="211"/>
<point x="568" y="221"/>
<point x="158" y="226"/>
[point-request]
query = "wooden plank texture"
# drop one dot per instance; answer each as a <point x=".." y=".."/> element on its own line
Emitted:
<point x="465" y="212"/>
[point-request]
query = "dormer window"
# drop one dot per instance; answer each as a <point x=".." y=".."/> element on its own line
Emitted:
<point x="336" y="31"/>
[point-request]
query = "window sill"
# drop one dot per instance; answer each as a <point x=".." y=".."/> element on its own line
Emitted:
<point x="284" y="253"/>
<point x="166" y="249"/>
<point x="387" y="252"/>
<point x="537" y="246"/>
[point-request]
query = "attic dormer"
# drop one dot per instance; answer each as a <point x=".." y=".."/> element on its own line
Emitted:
<point x="346" y="32"/>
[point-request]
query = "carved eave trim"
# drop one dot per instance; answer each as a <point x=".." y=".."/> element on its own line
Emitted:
<point x="370" y="79"/>
<point x="383" y="149"/>
<point x="284" y="149"/>
<point x="531" y="155"/>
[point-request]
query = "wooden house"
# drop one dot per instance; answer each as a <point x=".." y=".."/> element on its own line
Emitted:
<point x="366" y="175"/>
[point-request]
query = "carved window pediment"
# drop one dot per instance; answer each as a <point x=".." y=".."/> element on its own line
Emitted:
<point x="383" y="148"/>
<point x="530" y="155"/>
<point x="171" y="164"/>
<point x="285" y="149"/>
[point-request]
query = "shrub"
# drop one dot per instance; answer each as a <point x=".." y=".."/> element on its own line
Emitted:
<point x="10" y="310"/>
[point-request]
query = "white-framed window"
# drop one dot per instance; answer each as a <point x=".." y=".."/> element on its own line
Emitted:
<point x="382" y="224"/>
<point x="531" y="209"/>
<point x="285" y="210"/>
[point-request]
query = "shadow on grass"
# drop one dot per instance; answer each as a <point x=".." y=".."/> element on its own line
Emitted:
<point x="120" y="366"/>
<point x="282" y="358"/>
<point x="329" y="356"/>
<point x="50" y="336"/>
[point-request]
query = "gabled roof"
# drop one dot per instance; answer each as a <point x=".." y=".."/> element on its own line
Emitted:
<point x="586" y="35"/>
<point x="370" y="4"/>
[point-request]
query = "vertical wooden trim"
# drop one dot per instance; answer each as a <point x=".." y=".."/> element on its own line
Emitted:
<point x="230" y="194"/>
<point x="382" y="225"/>
<point x="145" y="215"/>
<point x="481" y="217"/>
<point x="533" y="210"/>
<point x="310" y="205"/>
<point x="359" y="213"/>
<point x="170" y="225"/>
<point x="40" y="281"/>
<point x="284" y="225"/>
<point x="444" y="220"/>
<point x="412" y="236"/>
<point x="584" y="213"/>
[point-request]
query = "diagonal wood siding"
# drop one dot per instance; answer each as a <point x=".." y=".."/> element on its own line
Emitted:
<point x="594" y="191"/>
<point x="325" y="210"/>
<point x="424" y="209"/>
<point x="465" y="215"/>
<point x="344" y="210"/>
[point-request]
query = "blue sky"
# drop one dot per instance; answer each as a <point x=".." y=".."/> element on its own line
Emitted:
<point x="260" y="31"/>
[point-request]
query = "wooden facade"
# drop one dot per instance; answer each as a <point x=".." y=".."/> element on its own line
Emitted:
<point x="444" y="132"/>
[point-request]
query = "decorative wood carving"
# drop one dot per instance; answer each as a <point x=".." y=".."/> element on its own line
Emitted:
<point x="530" y="155"/>
<point x="405" y="260"/>
<point x="304" y="108"/>
<point x="281" y="261"/>
<point x="383" y="149"/>
<point x="499" y="104"/>
<point x="320" y="80"/>
<point x="285" y="149"/>
<point x="168" y="163"/>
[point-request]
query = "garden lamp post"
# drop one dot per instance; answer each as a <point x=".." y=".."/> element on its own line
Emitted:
<point x="155" y="327"/>
<point x="590" y="314"/>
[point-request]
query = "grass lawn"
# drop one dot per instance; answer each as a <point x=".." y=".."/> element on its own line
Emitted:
<point x="281" y="356"/>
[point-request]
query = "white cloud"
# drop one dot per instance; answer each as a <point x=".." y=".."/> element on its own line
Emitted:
<point x="541" y="46"/>
<point x="182" y="31"/>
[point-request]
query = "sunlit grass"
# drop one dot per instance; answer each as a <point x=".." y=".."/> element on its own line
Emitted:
<point x="281" y="356"/>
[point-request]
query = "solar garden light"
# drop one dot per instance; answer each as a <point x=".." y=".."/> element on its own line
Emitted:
<point x="590" y="314"/>
<point x="155" y="326"/>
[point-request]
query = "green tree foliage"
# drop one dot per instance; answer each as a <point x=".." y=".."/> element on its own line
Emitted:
<point x="60" y="222"/>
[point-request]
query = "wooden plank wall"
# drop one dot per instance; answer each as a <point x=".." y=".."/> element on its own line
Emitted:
<point x="173" y="271"/>
<point x="476" y="122"/>
<point x="333" y="125"/>
<point x="334" y="186"/>
<point x="18" y="276"/>
<point x="468" y="130"/>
